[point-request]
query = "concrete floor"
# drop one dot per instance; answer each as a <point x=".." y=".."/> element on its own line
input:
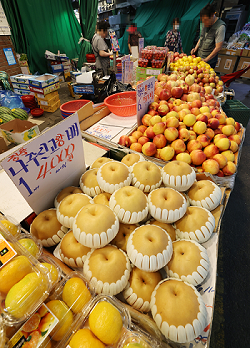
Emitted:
<point x="232" y="305"/>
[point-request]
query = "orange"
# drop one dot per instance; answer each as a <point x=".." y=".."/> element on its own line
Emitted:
<point x="32" y="323"/>
<point x="76" y="294"/>
<point x="105" y="322"/>
<point x="84" y="338"/>
<point x="65" y="316"/>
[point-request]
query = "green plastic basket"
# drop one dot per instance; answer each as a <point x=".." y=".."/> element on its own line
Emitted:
<point x="237" y="110"/>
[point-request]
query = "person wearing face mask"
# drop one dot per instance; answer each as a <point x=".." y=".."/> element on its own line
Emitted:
<point x="100" y="48"/>
<point x="212" y="36"/>
<point x="173" y="38"/>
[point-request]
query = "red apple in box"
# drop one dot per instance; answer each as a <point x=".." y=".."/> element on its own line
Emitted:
<point x="177" y="92"/>
<point x="236" y="138"/>
<point x="153" y="106"/>
<point x="165" y="94"/>
<point x="124" y="141"/>
<point x="149" y="132"/>
<point x="211" y="166"/>
<point x="177" y="102"/>
<point x="159" y="128"/>
<point x="172" y="77"/>
<point x="185" y="87"/>
<point x="143" y="140"/>
<point x="193" y="145"/>
<point x="211" y="150"/>
<point x="171" y="134"/>
<point x="163" y="109"/>
<point x="204" y="140"/>
<point x="213" y="123"/>
<point x="184" y="134"/>
<point x="184" y="97"/>
<point x="229" y="169"/>
<point x="221" y="159"/>
<point x="160" y="141"/>
<point x="178" y="145"/>
<point x="145" y="119"/>
<point x="136" y="147"/>
<point x="149" y="149"/>
<point x="197" y="157"/>
<point x="158" y="91"/>
<point x="195" y="88"/>
<point x="196" y="104"/>
<point x="156" y="98"/>
<point x="167" y="153"/>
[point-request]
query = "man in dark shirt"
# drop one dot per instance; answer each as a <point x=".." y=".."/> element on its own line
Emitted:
<point x="133" y="38"/>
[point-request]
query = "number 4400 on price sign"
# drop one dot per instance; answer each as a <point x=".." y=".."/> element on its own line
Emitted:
<point x="48" y="163"/>
<point x="144" y="97"/>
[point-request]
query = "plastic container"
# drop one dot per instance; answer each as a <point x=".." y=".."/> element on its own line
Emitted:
<point x="23" y="293"/>
<point x="90" y="58"/>
<point x="34" y="239"/>
<point x="36" y="112"/>
<point x="13" y="230"/>
<point x="136" y="335"/>
<point x="82" y="321"/>
<point x="147" y="54"/>
<point x="142" y="62"/>
<point x="47" y="259"/>
<point x="72" y="106"/>
<point x="122" y="104"/>
<point x="2" y="333"/>
<point x="157" y="63"/>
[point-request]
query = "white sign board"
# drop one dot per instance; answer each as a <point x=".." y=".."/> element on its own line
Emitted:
<point x="4" y="25"/>
<point x="141" y="45"/>
<point x="48" y="163"/>
<point x="144" y="96"/>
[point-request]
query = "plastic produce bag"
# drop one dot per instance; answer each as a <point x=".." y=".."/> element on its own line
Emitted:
<point x="12" y="102"/>
<point x="5" y="93"/>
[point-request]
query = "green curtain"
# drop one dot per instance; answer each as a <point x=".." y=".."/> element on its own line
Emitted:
<point x="47" y="24"/>
<point x="88" y="15"/>
<point x="155" y="18"/>
<point x="17" y="32"/>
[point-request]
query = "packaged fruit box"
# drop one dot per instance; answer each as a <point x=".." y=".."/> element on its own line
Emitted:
<point x="10" y="224"/>
<point x="103" y="324"/>
<point x="30" y="243"/>
<point x="142" y="62"/>
<point x="136" y="338"/>
<point x="25" y="283"/>
<point x="54" y="269"/>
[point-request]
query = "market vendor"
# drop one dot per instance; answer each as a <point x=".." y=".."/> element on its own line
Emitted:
<point x="100" y="48"/>
<point x="211" y="38"/>
<point x="133" y="37"/>
<point x="173" y="37"/>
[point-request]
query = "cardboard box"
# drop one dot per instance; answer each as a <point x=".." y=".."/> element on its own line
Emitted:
<point x="243" y="63"/>
<point x="83" y="88"/>
<point x="95" y="117"/>
<point x="48" y="102"/>
<point x="60" y="76"/>
<point x="47" y="96"/>
<point x="25" y="70"/>
<point x="51" y="108"/>
<point x="57" y="68"/>
<point x="21" y="78"/>
<point x="43" y="81"/>
<point x="3" y="145"/>
<point x="233" y="52"/>
<point x="245" y="52"/>
<point x="22" y="86"/>
<point x="45" y="90"/>
<point x="21" y="91"/>
<point x="19" y="131"/>
<point x="226" y="64"/>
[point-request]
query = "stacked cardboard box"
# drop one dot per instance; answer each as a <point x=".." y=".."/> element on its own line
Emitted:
<point x="49" y="102"/>
<point x="20" y="84"/>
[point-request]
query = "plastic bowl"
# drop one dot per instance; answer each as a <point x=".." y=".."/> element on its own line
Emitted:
<point x="72" y="106"/>
<point x="36" y="112"/>
<point x="122" y="104"/>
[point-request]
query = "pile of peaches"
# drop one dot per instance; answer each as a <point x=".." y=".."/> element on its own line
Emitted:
<point x="186" y="123"/>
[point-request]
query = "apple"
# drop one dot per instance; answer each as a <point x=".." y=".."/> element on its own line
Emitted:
<point x="235" y="137"/>
<point x="158" y="91"/>
<point x="184" y="134"/>
<point x="210" y="133"/>
<point x="228" y="130"/>
<point x="172" y="77"/>
<point x="221" y="118"/>
<point x="143" y="140"/>
<point x="196" y="104"/>
<point x="185" y="106"/>
<point x="229" y="169"/>
<point x="229" y="155"/>
<point x="211" y="150"/>
<point x="184" y="157"/>
<point x="149" y="149"/>
<point x="211" y="166"/>
<point x="204" y="109"/>
<point x="202" y="118"/>
<point x="213" y="123"/>
<point x="199" y="127"/>
<point x="195" y="111"/>
<point x="184" y="97"/>
<point x="193" y="145"/>
<point x="195" y="88"/>
<point x="159" y="128"/>
<point x="132" y="139"/>
<point x="193" y="96"/>
<point x="189" y="80"/>
<point x="223" y="144"/>
<point x="154" y="120"/>
<point x="171" y="134"/>
<point x="153" y="106"/>
<point x="172" y="122"/>
<point x="177" y="92"/>
<point x="204" y="140"/>
<point x="189" y="120"/>
<point x="160" y="141"/>
<point x="192" y="135"/>
<point x="237" y="126"/>
<point x="234" y="146"/>
<point x="136" y="147"/>
<point x="142" y="128"/>
<point x="178" y="145"/>
<point x="167" y="153"/>
<point x="177" y="102"/>
<point x="156" y="98"/>
<point x="220" y="83"/>
<point x="185" y="88"/>
<point x="218" y="137"/>
<point x="197" y="157"/>
<point x="136" y="134"/>
<point x="163" y="109"/>
<point x="124" y="141"/>
<point x="221" y="159"/>
<point x="149" y="132"/>
<point x="145" y="119"/>
<point x="153" y="112"/>
<point x="177" y="108"/>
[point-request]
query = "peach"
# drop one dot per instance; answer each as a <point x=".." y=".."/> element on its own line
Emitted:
<point x="184" y="106"/>
<point x="143" y="140"/>
<point x="221" y="159"/>
<point x="181" y="125"/>
<point x="192" y="135"/>
<point x="163" y="109"/>
<point x="199" y="127"/>
<point x="178" y="145"/>
<point x="230" y="121"/>
<point x="159" y="128"/>
<point x="195" y="111"/>
<point x="220" y="173"/>
<point x="155" y="119"/>
<point x="160" y="141"/>
<point x="211" y="150"/>
<point x="229" y="169"/>
<point x="142" y="128"/>
<point x="149" y="149"/>
<point x="196" y="104"/>
<point x="236" y="138"/>
<point x="221" y="118"/>
<point x="193" y="145"/>
<point x="211" y="166"/>
<point x="204" y="109"/>
<point x="137" y="134"/>
<point x="210" y="133"/>
<point x="176" y="108"/>
<point x="171" y="134"/>
<point x="204" y="140"/>
<point x="213" y="123"/>
<point x="202" y="118"/>
<point x="237" y="126"/>
<point x="172" y="114"/>
<point x="228" y="130"/>
<point x="172" y="122"/>
<point x="149" y="132"/>
<point x="124" y="141"/>
<point x="189" y="120"/>
<point x="167" y="153"/>
<point x="218" y="137"/>
<point x="157" y="154"/>
<point x="184" y="134"/>
<point x="197" y="157"/>
<point x="132" y="139"/>
<point x="234" y="146"/>
<point x="184" y="157"/>
<point x="229" y="155"/>
<point x="223" y="144"/>
<point x="136" y="147"/>
<point x="145" y="119"/>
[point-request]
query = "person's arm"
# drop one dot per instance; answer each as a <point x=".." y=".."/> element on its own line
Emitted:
<point x="105" y="54"/>
<point x="196" y="47"/>
<point x="217" y="48"/>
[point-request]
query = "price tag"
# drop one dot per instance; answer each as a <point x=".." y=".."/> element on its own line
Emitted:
<point x="144" y="97"/>
<point x="6" y="252"/>
<point x="48" y="163"/>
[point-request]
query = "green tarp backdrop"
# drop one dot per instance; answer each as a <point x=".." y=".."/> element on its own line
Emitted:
<point x="39" y="25"/>
<point x="155" y="18"/>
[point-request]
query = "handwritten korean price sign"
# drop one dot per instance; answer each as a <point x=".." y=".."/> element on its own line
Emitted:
<point x="144" y="96"/>
<point x="48" y="163"/>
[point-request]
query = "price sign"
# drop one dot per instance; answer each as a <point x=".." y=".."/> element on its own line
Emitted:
<point x="144" y="96"/>
<point x="141" y="45"/>
<point x="9" y="56"/>
<point x="47" y="164"/>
